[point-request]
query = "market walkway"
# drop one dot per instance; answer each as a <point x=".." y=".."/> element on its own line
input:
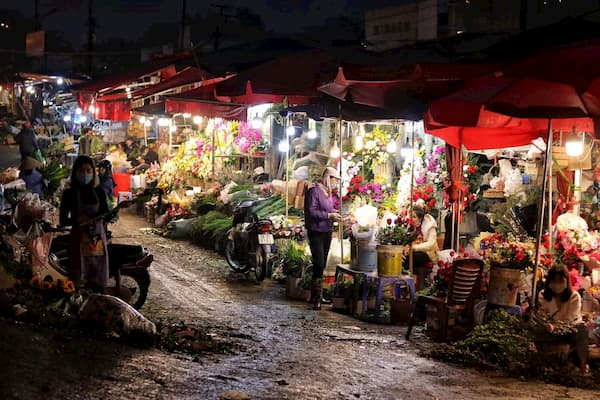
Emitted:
<point x="294" y="353"/>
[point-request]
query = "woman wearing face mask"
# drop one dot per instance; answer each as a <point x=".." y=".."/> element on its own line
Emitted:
<point x="80" y="204"/>
<point x="319" y="215"/>
<point x="560" y="303"/>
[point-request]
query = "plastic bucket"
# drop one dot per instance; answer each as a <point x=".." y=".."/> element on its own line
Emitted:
<point x="504" y="286"/>
<point x="366" y="258"/>
<point x="389" y="260"/>
<point x="122" y="182"/>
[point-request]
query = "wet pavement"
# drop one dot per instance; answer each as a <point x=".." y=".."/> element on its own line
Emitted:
<point x="281" y="350"/>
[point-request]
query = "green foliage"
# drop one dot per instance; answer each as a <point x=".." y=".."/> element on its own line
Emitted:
<point x="293" y="258"/>
<point x="53" y="173"/>
<point x="507" y="343"/>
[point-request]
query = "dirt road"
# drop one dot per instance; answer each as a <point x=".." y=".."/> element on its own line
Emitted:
<point x="282" y="351"/>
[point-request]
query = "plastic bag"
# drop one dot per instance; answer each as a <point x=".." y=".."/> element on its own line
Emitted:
<point x="334" y="256"/>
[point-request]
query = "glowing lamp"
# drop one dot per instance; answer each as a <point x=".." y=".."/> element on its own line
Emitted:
<point x="197" y="119"/>
<point x="164" y="122"/>
<point x="574" y="147"/>
<point x="312" y="134"/>
<point x="391" y="147"/>
<point x="290" y="130"/>
<point x="283" y="146"/>
<point x="335" y="151"/>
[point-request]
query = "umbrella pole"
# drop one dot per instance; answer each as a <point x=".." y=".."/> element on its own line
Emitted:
<point x="456" y="243"/>
<point x="540" y="222"/>
<point x="412" y="188"/>
<point x="341" y="223"/>
<point x="549" y="171"/>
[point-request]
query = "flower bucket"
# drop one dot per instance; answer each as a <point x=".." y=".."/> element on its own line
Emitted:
<point x="366" y="257"/>
<point x="389" y="260"/>
<point x="504" y="286"/>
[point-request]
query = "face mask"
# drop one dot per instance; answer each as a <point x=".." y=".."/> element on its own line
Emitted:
<point x="85" y="179"/>
<point x="558" y="287"/>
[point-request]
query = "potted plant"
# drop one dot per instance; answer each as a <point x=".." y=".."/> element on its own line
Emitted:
<point x="506" y="259"/>
<point x="397" y="231"/>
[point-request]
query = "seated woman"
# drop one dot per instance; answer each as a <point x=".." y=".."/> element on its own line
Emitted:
<point x="425" y="247"/>
<point x="559" y="303"/>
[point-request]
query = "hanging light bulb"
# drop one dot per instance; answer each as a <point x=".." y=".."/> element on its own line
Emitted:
<point x="391" y="147"/>
<point x="78" y="110"/>
<point x="91" y="109"/>
<point x="186" y="115"/>
<point x="147" y="122"/>
<point x="290" y="130"/>
<point x="406" y="151"/>
<point x="358" y="143"/>
<point x="82" y="119"/>
<point x="256" y="122"/>
<point x="311" y="134"/>
<point x="574" y="146"/>
<point x="334" y="152"/>
<point x="142" y="119"/>
<point x="197" y="119"/>
<point x="67" y="118"/>
<point x="59" y="81"/>
<point x="283" y="146"/>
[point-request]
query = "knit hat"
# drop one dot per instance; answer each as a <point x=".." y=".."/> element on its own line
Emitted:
<point x="330" y="172"/>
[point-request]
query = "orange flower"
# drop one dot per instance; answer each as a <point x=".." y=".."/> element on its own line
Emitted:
<point x="69" y="287"/>
<point x="35" y="281"/>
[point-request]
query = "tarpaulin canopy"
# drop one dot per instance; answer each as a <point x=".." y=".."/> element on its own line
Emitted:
<point x="295" y="78"/>
<point x="112" y="110"/>
<point x="85" y="92"/>
<point x="206" y="108"/>
<point x="329" y="107"/>
<point x="381" y="85"/>
<point x="184" y="77"/>
<point x="152" y="109"/>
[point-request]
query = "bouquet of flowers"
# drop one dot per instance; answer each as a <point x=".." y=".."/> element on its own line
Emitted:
<point x="247" y="138"/>
<point x="399" y="231"/>
<point x="504" y="253"/>
<point x="426" y="194"/>
<point x="371" y="192"/>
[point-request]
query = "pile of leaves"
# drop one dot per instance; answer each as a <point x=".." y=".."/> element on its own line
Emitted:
<point x="507" y="343"/>
<point x="179" y="337"/>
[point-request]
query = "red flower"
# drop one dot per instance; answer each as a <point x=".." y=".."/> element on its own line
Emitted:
<point x="431" y="203"/>
<point x="472" y="169"/>
<point x="429" y="189"/>
<point x="389" y="221"/>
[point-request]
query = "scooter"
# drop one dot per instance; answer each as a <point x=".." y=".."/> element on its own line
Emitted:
<point x="129" y="278"/>
<point x="249" y="241"/>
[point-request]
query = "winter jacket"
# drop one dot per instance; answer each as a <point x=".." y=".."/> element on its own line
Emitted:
<point x="317" y="207"/>
<point x="429" y="244"/>
<point x="33" y="181"/>
<point x="27" y="141"/>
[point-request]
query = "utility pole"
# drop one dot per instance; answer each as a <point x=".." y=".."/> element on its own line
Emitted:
<point x="183" y="25"/>
<point x="36" y="14"/>
<point x="91" y="25"/>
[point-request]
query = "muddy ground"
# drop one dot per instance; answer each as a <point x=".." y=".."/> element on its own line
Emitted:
<point x="279" y="350"/>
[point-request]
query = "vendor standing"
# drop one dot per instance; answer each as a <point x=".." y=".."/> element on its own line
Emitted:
<point x="80" y="206"/>
<point x="319" y="216"/>
<point x="425" y="247"/>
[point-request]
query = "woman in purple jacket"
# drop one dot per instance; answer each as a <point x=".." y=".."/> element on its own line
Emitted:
<point x="319" y="215"/>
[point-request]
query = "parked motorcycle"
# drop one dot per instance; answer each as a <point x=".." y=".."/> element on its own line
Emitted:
<point x="249" y="241"/>
<point x="129" y="278"/>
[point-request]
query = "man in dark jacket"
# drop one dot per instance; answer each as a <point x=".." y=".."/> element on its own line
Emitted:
<point x="27" y="141"/>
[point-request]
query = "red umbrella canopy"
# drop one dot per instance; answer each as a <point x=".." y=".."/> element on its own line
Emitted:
<point x="465" y="117"/>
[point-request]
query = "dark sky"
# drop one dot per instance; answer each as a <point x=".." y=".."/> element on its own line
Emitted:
<point x="282" y="16"/>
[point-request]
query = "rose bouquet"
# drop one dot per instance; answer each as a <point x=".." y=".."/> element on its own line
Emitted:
<point x="506" y="253"/>
<point x="398" y="232"/>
